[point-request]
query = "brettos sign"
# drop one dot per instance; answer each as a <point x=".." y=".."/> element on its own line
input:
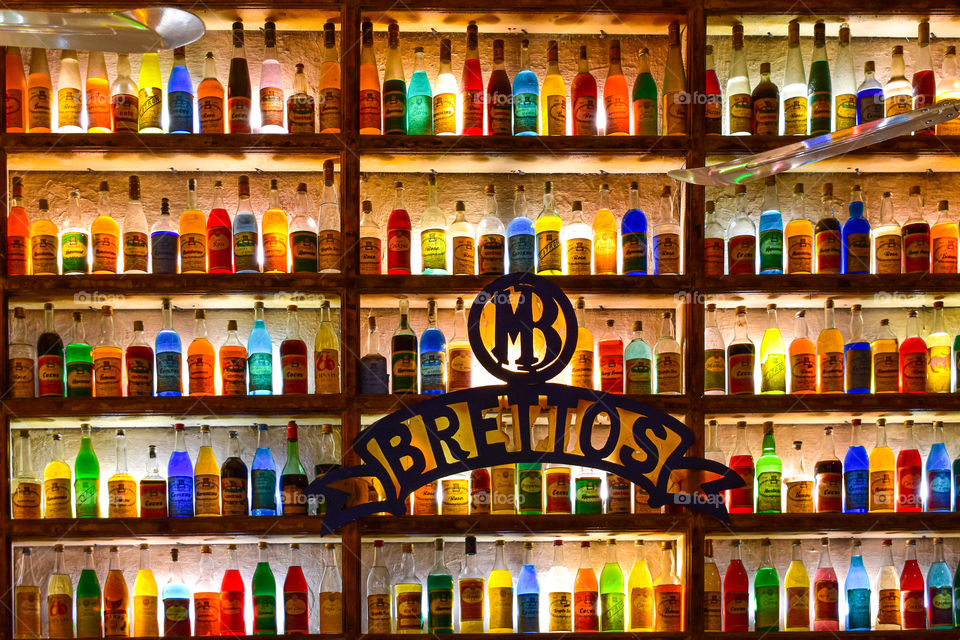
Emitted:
<point x="523" y="330"/>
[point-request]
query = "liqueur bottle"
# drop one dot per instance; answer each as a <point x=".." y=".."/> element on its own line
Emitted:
<point x="445" y="95"/>
<point x="830" y="353"/>
<point x="21" y="358"/>
<point x="373" y="366"/>
<point x="666" y="237"/>
<point x="403" y="354"/>
<point x="583" y="97"/>
<point x="740" y="500"/>
<point x="239" y="94"/>
<point x="398" y="235"/>
<point x="433" y="354"/>
<point x="89" y="601"/>
<point x="394" y="86"/>
<point x="139" y="361"/>
<point x="548" y="244"/>
<point x="773" y="357"/>
<point x="739" y="110"/>
<point x="799" y="235"/>
<point x="916" y="237"/>
<point x="79" y="361"/>
<point x="765" y="102"/>
<point x="923" y="81"/>
<point x="885" y="352"/>
<point x="714" y="98"/>
<point x="736" y="596"/>
<point x="419" y="98"/>
<point x="828" y="237"/>
<point x="18" y="224"/>
<point x="439" y="593"/>
<point x="407" y="594"/>
<point x="301" y="107"/>
<point x="491" y="237"/>
<point x="943" y="241"/>
<point x="769" y="472"/>
<point x="742" y="238"/>
<point x="264" y="589"/>
<point x="800" y="484"/>
<point x="26" y="498"/>
<point x="180" y="477"/>
<point x="86" y="484"/>
<point x="604" y="235"/>
<point x="153" y="488"/>
<point x="121" y="487"/>
<point x="51" y="380"/>
<point x="116" y="600"/>
<point x="559" y="591"/>
<point x="856" y="473"/>
<point x="164" y="242"/>
<point x="330" y="598"/>
<point x="887" y="240"/>
<point x="844" y="85"/>
<point x="766" y="589"/>
<point x="471" y="86"/>
<point x="794" y="94"/>
<point x="633" y="235"/>
<point x="615" y="102"/>
<point x="796" y="589"/>
<point x="938" y="472"/>
<point x="16" y="92"/>
<point x="107" y="358"/>
<point x="553" y="96"/>
<point x="210" y="94"/>
<point x="913" y="606"/>
<point x="909" y="473"/>
<point x="233" y="480"/>
<point x="293" y="356"/>
<point x="855" y="235"/>
<point x="259" y="355"/>
<point x="433" y="233"/>
<point x="857" y="586"/>
<point x="611" y="591"/>
<point x="610" y="359"/>
<point x="913" y="358"/>
<point x="303" y="234"/>
<point x="463" y="243"/>
<point x="219" y="235"/>
<point x="192" y="230"/>
<point x="637" y="363"/>
<point x="714" y="241"/>
<point x="819" y="89"/>
<point x="329" y="90"/>
<point x="712" y="591"/>
<point x="674" y="85"/>
<point x="70" y="93"/>
<point x="948" y="88"/>
<point x="500" y="594"/>
<point x="771" y="230"/>
<point x="180" y="94"/>
<point x="326" y="354"/>
<point x="857" y="355"/>
<point x="528" y="594"/>
<point x="246" y="233"/>
<point x="232" y="596"/>
<point x="378" y="593"/>
<point x="263" y="477"/>
<point x="104" y="235"/>
<point x="668" y="592"/>
<point x="168" y="352"/>
<point x="206" y="477"/>
<point x="59" y="599"/>
<point x="882" y="472"/>
<point x="40" y="92"/>
<point x="74" y="240"/>
<point x="940" y="613"/>
<point x="888" y="590"/>
<point x="499" y="96"/>
<point x="275" y="234"/>
<point x="176" y="600"/>
<point x="201" y="359"/>
<point x="741" y="355"/>
<point x="585" y="594"/>
<point x="521" y="237"/>
<point x="57" y="482"/>
<point x="150" y="94"/>
<point x="233" y="363"/>
<point x="938" y="353"/>
<point x="206" y="597"/>
<point x="869" y="95"/>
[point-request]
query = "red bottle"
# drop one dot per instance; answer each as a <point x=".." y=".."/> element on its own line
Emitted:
<point x="499" y="96"/>
<point x="913" y="607"/>
<point x="139" y="364"/>
<point x="480" y="491"/>
<point x="610" y="349"/>
<point x="924" y="82"/>
<point x="398" y="236"/>
<point x="293" y="356"/>
<point x="909" y="473"/>
<point x="232" y="614"/>
<point x="826" y="604"/>
<point x="741" y="500"/>
<point x="295" y="596"/>
<point x="916" y="236"/>
<point x="913" y="358"/>
<point x="583" y="95"/>
<point x="736" y="594"/>
<point x="714" y="103"/>
<point x="471" y="86"/>
<point x="219" y="235"/>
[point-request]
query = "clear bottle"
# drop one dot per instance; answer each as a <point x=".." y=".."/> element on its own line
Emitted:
<point x="26" y="600"/>
<point x="369" y="251"/>
<point x="326" y="354"/>
<point x="433" y="232"/>
<point x="794" y="92"/>
<point x="674" y="85"/>
<point x="407" y="594"/>
<point x="121" y="487"/>
<point x="378" y="593"/>
<point x="888" y="590"/>
<point x="898" y="92"/>
<point x="301" y="106"/>
<point x="667" y="250"/>
<point x="668" y="360"/>
<point x="491" y="237"/>
<point x="246" y="232"/>
<point x="577" y="238"/>
<point x="21" y="357"/>
<point x="330" y="597"/>
<point x="844" y="84"/>
<point x="462" y="242"/>
<point x="712" y="589"/>
<point x="741" y="237"/>
<point x="870" y="105"/>
<point x="949" y="88"/>
<point x="887" y="240"/>
<point x="714" y="355"/>
<point x="59" y="599"/>
<point x="771" y="230"/>
<point x="739" y="110"/>
<point x="303" y="235"/>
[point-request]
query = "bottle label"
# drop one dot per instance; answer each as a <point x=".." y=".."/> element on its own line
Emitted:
<point x="913" y="372"/>
<point x="713" y="113"/>
<point x="398" y="250"/>
<point x="829" y="250"/>
<point x="938" y="496"/>
<point x="207" y="494"/>
<point x="585" y="115"/>
<point x="798" y="607"/>
<point x="491" y="252"/>
<point x="153" y="498"/>
<point x="581" y="369"/>
<point x="180" y="496"/>
<point x="944" y="255"/>
<point x="666" y="253"/>
<point x="795" y="116"/>
<point x="50" y="376"/>
<point x="641" y="609"/>
<point x="180" y="111"/>
<point x="611" y="606"/>
<point x="326" y="364"/>
<point x="500" y="113"/>
<point x="38" y="108"/>
<point x="106" y="248"/>
<point x="210" y="109"/>
<point x="303" y="251"/>
<point x="558" y="491"/>
<point x="440" y="616"/>
<point x="735" y="607"/>
<point x="669" y="369"/>
<point x="245" y="245"/>
<point x="913" y="609"/>
<point x="238" y="113"/>
<point x="394" y="107"/>
<point x="108" y="377"/>
<point x="433" y="249"/>
<point x="176" y="617"/>
<point x="831" y="372"/>
<point x="472" y="116"/>
<point x="638" y="372"/>
<point x="741" y="373"/>
<point x="611" y="372"/>
<point x="530" y="490"/>
<point x="634" y="252"/>
<point x="898" y="104"/>
<point x="938" y="369"/>
<point x="70" y="103"/>
<point x="150" y="108"/>
<point x="644" y="116"/>
<point x="675" y="112"/>
<point x="768" y="608"/>
<point x="73" y="250"/>
<point x="233" y="375"/>
<point x="560" y="610"/>
<point x="432" y="370"/>
<point x="264" y="614"/>
<point x="741" y="500"/>
<point x="122" y="499"/>
<point x="605" y="256"/>
<point x="404" y="371"/>
<point x="556" y="124"/>
<point x="444" y="113"/>
<point x="502" y="485"/>
<point x="887" y="251"/>
<point x="768" y="491"/>
<point x="168" y="372"/>
<point x="79" y="379"/>
<point x="126" y="112"/>
<point x="857" y="369"/>
<point x="456" y="497"/>
<point x="585" y="611"/>
<point x="800" y="497"/>
<point x="522" y="248"/>
<point x="368" y="251"/>
<point x="193" y="253"/>
<point x="115" y="618"/>
<point x="888" y="611"/>
<point x="164" y="247"/>
<point x="425" y="500"/>
<point x="369" y="109"/>
<point x="799" y="254"/>
<point x="525" y="108"/>
<point x="464" y="256"/>
<point x="886" y="372"/>
<point x="588" y="495"/>
<point x="89" y="623"/>
<point x="846" y="111"/>
<point x="858" y="253"/>
<point x="501" y="608"/>
<point x="275" y="252"/>
<point x="296" y="616"/>
<point x="21" y="377"/>
<point x="59" y="615"/>
<point x="881" y="490"/>
<point x="820" y="109"/>
<point x="916" y="251"/>
<point x="300" y="111"/>
<point x="294" y="372"/>
<point x="263" y="489"/>
<point x="206" y="614"/>
<point x="330" y="109"/>
<point x="941" y="607"/>
<point x="578" y="256"/>
<point x="17" y="248"/>
<point x="714" y="370"/>
<point x="771" y="250"/>
<point x="134" y="251"/>
<point x="260" y="366"/>
<point x="233" y="492"/>
<point x="26" y="501"/>
<point x="271" y="106"/>
<point x="232" y="612"/>
<point x="409" y="616"/>
<point x="766" y="117"/>
<point x="909" y="481"/>
<point x="57" y="498"/>
<point x="378" y="613"/>
<point x="618" y="494"/>
<point x="200" y="371"/>
<point x="858" y="605"/>
<point x="549" y="252"/>
<point x="618" y="114"/>
<point x="829" y="492"/>
<point x="459" y="368"/>
<point x="773" y="374"/>
<point x="856" y="486"/>
<point x="220" y="248"/>
<point x="669" y="606"/>
<point x="740" y="113"/>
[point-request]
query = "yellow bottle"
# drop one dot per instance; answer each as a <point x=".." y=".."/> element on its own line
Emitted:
<point x="407" y="594"/>
<point x="59" y="599"/>
<point x="121" y="487"/>
<point x="604" y="236"/>
<point x="500" y="594"/>
<point x="553" y="97"/>
<point x="581" y="367"/>
<point x="145" y="598"/>
<point x="44" y="243"/>
<point x="830" y="354"/>
<point x="275" y="232"/>
<point x="640" y="592"/>
<point x="939" y="361"/>
<point x="206" y="477"/>
<point x="796" y="585"/>
<point x="193" y="234"/>
<point x="547" y="229"/>
<point x="105" y="233"/>
<point x="886" y="360"/>
<point x="57" y="483"/>
<point x="882" y="472"/>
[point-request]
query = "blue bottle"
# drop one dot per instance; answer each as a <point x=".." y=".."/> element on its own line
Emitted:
<point x="870" y="104"/>
<point x="857" y="586"/>
<point x="526" y="97"/>
<point x="938" y="472"/>
<point x="180" y="94"/>
<point x="855" y="256"/>
<point x="771" y="230"/>
<point x="956" y="483"/>
<point x="176" y="600"/>
<point x="856" y="474"/>
<point x="528" y="594"/>
<point x="433" y="354"/>
<point x="179" y="478"/>
<point x="857" y="360"/>
<point x="263" y="477"/>
<point x="164" y="242"/>
<point x="939" y="590"/>
<point x="633" y="235"/>
<point x="260" y="355"/>
<point x="520" y="235"/>
<point x="168" y="350"/>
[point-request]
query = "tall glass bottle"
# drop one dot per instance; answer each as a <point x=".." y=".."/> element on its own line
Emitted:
<point x="674" y="85"/>
<point x="121" y="487"/>
<point x="18" y="227"/>
<point x="301" y="107"/>
<point x="104" y="232"/>
<point x="16" y="92"/>
<point x="232" y="596"/>
<point x="666" y="237"/>
<point x="938" y="353"/>
<point x="882" y="472"/>
<point x="398" y="235"/>
<point x="303" y="235"/>
<point x="210" y="95"/>
<point x="857" y="355"/>
<point x="462" y="242"/>
<point x="264" y="589"/>
<point x="326" y="354"/>
<point x="433" y="232"/>
<point x="445" y="121"/>
<point x="736" y="595"/>
<point x="293" y="356"/>
<point x="471" y="87"/>
<point x="577" y="238"/>
<point x="433" y="354"/>
<point x="668" y="592"/>
<point x="913" y="358"/>
<point x="548" y="230"/>
<point x="916" y="236"/>
<point x="201" y="359"/>
<point x="819" y="88"/>
<point x="21" y="357"/>
<point x="713" y="111"/>
<point x="668" y="363"/>
<point x="239" y="93"/>
<point x="164" y="242"/>
<point x="329" y="89"/>
<point x="491" y="237"/>
<point x="794" y="92"/>
<point x="70" y="93"/>
<point x="830" y="353"/>
<point x="771" y="230"/>
<point x="168" y="352"/>
<point x="499" y="96"/>
<point x="604" y="235"/>
<point x="940" y="594"/>
<point x="800" y="484"/>
<point x="246" y="232"/>
<point x="888" y="590"/>
<point x="373" y="365"/>
<point x="206" y="477"/>
<point x="394" y="86"/>
<point x="470" y="585"/>
<point x="176" y="600"/>
<point x="612" y="592"/>
<point x="370" y="255"/>
<point x="206" y="597"/>
<point x="260" y="355"/>
<point x="739" y="109"/>
<point x="107" y="359"/>
<point x="633" y="230"/>
<point x="407" y="594"/>
<point x="615" y="94"/>
<point x="150" y="94"/>
<point x="233" y="480"/>
<point x="583" y="97"/>
<point x="89" y="600"/>
<point x="153" y="488"/>
<point x="500" y="594"/>
<point x="887" y="240"/>
<point x="26" y="599"/>
<point x="923" y="81"/>
<point x="439" y="593"/>
<point x="59" y="599"/>
<point x="179" y="477"/>
<point x="949" y="88"/>
<point x="769" y="473"/>
<point x="856" y="235"/>
<point x="886" y="360"/>
<point x="116" y="600"/>
<point x="139" y="362"/>
<point x="856" y="473"/>
<point x="233" y="363"/>
<point x="57" y="477"/>
<point x="913" y="606"/>
<point x="528" y="594"/>
<point x="765" y="102"/>
<point x="857" y="586"/>
<point x="585" y="594"/>
<point x="419" y="105"/>
<point x="219" y="235"/>
<point x="766" y="590"/>
<point x="330" y="598"/>
<point x="39" y="93"/>
<point x="275" y="234"/>
<point x="773" y="356"/>
<point x="637" y="363"/>
<point x="828" y="237"/>
<point x="943" y="241"/>
<point x="714" y="355"/>
<point x="74" y="239"/>
<point x="909" y="472"/>
<point x="378" y="593"/>
<point x="521" y="243"/>
<point x="271" y="84"/>
<point x="844" y="86"/>
<point x="86" y="485"/>
<point x="799" y="235"/>
<point x="526" y="96"/>
<point x="180" y="95"/>
<point x="741" y="355"/>
<point x="51" y="381"/>
<point x="938" y="472"/>
<point x="403" y="353"/>
<point x="263" y="477"/>
<point x="796" y="589"/>
<point x="741" y="238"/>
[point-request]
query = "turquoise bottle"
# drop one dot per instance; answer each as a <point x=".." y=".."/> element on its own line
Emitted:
<point x="260" y="355"/>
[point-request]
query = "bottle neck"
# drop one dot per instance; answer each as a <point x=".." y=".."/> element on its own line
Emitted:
<point x="911" y="553"/>
<point x="829" y="450"/>
<point x="121" y="455"/>
<point x="829" y="318"/>
<point x="166" y="319"/>
<point x="293" y="326"/>
<point x="881" y="435"/>
<point x="233" y="449"/>
<point x="178" y="441"/>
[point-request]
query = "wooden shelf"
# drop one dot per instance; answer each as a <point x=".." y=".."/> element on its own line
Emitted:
<point x="923" y="634"/>
<point x="526" y="525"/>
<point x="754" y="525"/>
<point x="565" y="145"/>
<point x="850" y="404"/>
<point x="632" y="635"/>
<point x="860" y="286"/>
<point x="371" y="404"/>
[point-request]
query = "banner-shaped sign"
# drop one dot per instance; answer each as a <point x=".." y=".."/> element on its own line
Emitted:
<point x="523" y="330"/>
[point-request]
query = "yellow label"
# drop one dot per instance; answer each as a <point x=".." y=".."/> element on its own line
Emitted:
<point x="57" y="498"/>
<point x="579" y="256"/>
<point x="456" y="497"/>
<point x="150" y="108"/>
<point x="740" y="113"/>
<point x="122" y="497"/>
<point x="501" y="607"/>
<point x="795" y="116"/>
<point x="556" y="115"/>
<point x="331" y="612"/>
<point x="378" y="613"/>
<point x="845" y="106"/>
<point x="27" y="612"/>
<point x="70" y="104"/>
<point x="38" y="108"/>
<point x="502" y="486"/>
<point x="145" y="616"/>
<point x="207" y="490"/>
<point x="675" y="112"/>
<point x="444" y="113"/>
<point x="549" y="253"/>
<point x="800" y="497"/>
<point x="766" y="117"/>
<point x="560" y="611"/>
<point x="26" y="501"/>
<point x="641" y="608"/>
<point x="581" y="369"/>
<point x="459" y="368"/>
<point x="898" y="104"/>
<point x="193" y="252"/>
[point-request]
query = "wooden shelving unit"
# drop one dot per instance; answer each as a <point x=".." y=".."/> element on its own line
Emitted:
<point x="348" y="291"/>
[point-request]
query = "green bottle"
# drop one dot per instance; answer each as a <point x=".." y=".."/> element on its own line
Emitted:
<point x="264" y="595"/>
<point x="79" y="357"/>
<point x="439" y="593"/>
<point x="530" y="487"/>
<point x="769" y="471"/>
<point x="611" y="592"/>
<point x="645" y="97"/>
<point x="766" y="590"/>
<point x="89" y="602"/>
<point x="86" y="486"/>
<point x="819" y="90"/>
<point x="588" y="492"/>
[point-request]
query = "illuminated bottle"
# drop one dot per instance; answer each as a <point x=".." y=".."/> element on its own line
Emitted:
<point x="577" y="238"/>
<point x="433" y="232"/>
<point x="491" y="237"/>
<point x="471" y="86"/>
<point x="604" y="236"/>
<point x="857" y="587"/>
<point x="938" y="472"/>
<point x="886" y="360"/>
<point x="666" y="237"/>
<point x="303" y="234"/>
<point x="844" y="85"/>
<point x="419" y="99"/>
<point x="553" y="96"/>
<point x="201" y="359"/>
<point x="856" y="235"/>
<point x="164" y="242"/>
<point x="668" y="363"/>
<point x="293" y="477"/>
<point x="674" y="85"/>
<point x="637" y="363"/>
<point x="206" y="477"/>
<point x="275" y="234"/>
<point x="742" y="239"/>
<point x="74" y="239"/>
<point x="26" y="600"/>
<point x="326" y="354"/>
<point x="329" y="90"/>
<point x="246" y="234"/>
<point x="528" y="594"/>
<point x="712" y="590"/>
<point x="239" y="94"/>
<point x="634" y="235"/>
<point x="219" y="235"/>
<point x="794" y="93"/>
<point x="882" y="472"/>
<point x="940" y="594"/>
<point x="86" y="485"/>
<point x="59" y="599"/>
<point x="271" y="84"/>
<point x="150" y="94"/>
<point x="916" y="236"/>
<point x="765" y="103"/>
<point x="294" y="370"/>
<point x="799" y="485"/>
<point x="913" y="606"/>
<point x="913" y="358"/>
<point x="585" y="594"/>
<point x="769" y="471"/>
<point x="499" y="96"/>
<point x="168" y="350"/>
<point x="939" y="362"/>
<point x="139" y="360"/>
<point x="909" y="472"/>
<point x="559" y="591"/>
<point x="830" y="353"/>
<point x="210" y="98"/>
<point x="829" y="476"/>
<point x="819" y="89"/>
<point x="116" y="600"/>
<point x="259" y="355"/>
<point x="263" y="477"/>
<point x="773" y="357"/>
<point x="856" y="473"/>
<point x="799" y="236"/>
<point x="121" y="487"/>
<point x="107" y="359"/>
<point x="232" y="596"/>
<point x="548" y="229"/>
<point x="583" y="97"/>
<point x="153" y="488"/>
<point x="526" y="94"/>
<point x="463" y="240"/>
<point x="740" y="500"/>
<point x="206" y="597"/>
<point x="301" y="107"/>
<point x="530" y="488"/>
<point x="796" y="589"/>
<point x="557" y="483"/>
<point x="736" y="595"/>
<point x="408" y="594"/>
<point x="89" y="600"/>
<point x="741" y="356"/>
<point x="18" y="226"/>
<point x="192" y="232"/>
<point x="124" y="100"/>
<point x="233" y="481"/>
<point x="378" y="593"/>
<point x="176" y="600"/>
<point x="943" y="241"/>
<point x="330" y="598"/>
<point x="714" y="98"/>
<point x="500" y="594"/>
<point x="104" y="232"/>
<point x="828" y="237"/>
<point x="611" y="591"/>
<point x="766" y="589"/>
<point x="739" y="110"/>
<point x="888" y="590"/>
<point x="16" y="91"/>
<point x="616" y="102"/>
<point x="771" y="230"/>
<point x="587" y="492"/>
<point x="57" y="477"/>
<point x="180" y="94"/>
<point x="581" y="366"/>
<point x="521" y="242"/>
<point x="857" y="355"/>
<point x="439" y="594"/>
<point x="948" y="88"/>
<point x="923" y="81"/>
<point x="869" y="95"/>
<point x="39" y="93"/>
<point x="610" y="359"/>
<point x="445" y="121"/>
<point x="887" y="240"/>
<point x="264" y="589"/>
<point x="668" y="592"/>
<point x="179" y="477"/>
<point x="403" y="354"/>
<point x="70" y="93"/>
<point x="398" y="235"/>
<point x="232" y="358"/>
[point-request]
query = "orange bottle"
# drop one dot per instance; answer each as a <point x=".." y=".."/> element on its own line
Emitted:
<point x="201" y="360"/>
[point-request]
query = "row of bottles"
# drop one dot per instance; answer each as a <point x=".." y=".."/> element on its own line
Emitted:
<point x="196" y="242"/>
<point x="862" y="482"/>
<point x="819" y="243"/>
<point x="433" y="365"/>
<point x="505" y="601"/>
<point x="79" y="369"/>
<point x="822" y="99"/>
<point x="97" y="104"/>
<point x="545" y="246"/>
<point x="89" y="608"/>
<point x="186" y="490"/>
<point x="904" y="600"/>
<point x="525" y="107"/>
<point x="830" y="364"/>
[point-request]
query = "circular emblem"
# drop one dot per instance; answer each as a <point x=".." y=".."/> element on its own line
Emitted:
<point x="522" y="329"/>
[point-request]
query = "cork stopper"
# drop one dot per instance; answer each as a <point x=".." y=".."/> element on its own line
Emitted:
<point x="765" y="68"/>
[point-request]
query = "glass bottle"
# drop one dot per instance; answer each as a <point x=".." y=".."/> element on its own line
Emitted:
<point x="50" y="358"/>
<point x="439" y="593"/>
<point x="578" y="243"/>
<point x="500" y="594"/>
<point x="39" y="92"/>
<point x="491" y="237"/>
<point x="121" y="487"/>
<point x="829" y="476"/>
<point x="192" y="233"/>
<point x="264" y="589"/>
<point x="799" y="484"/>
<point x="330" y="598"/>
<point x="89" y="600"/>
<point x="819" y="88"/>
<point x="398" y="235"/>
<point x="164" y="242"/>
<point x="773" y="357"/>
<point x="201" y="359"/>
<point x="150" y="94"/>
<point x="180" y="95"/>
<point x="736" y="596"/>
<point x="948" y="88"/>
<point x="303" y="235"/>
<point x="57" y="481"/>
<point x="327" y="461"/>
<point x="916" y="236"/>
<point x="765" y="102"/>
<point x="938" y="472"/>
<point x="521" y="243"/>
<point x="407" y="594"/>
<point x="938" y="353"/>
<point x="794" y="93"/>
<point x="674" y="85"/>
<point x="233" y="363"/>
<point x="668" y="360"/>
<point x="888" y="590"/>
<point x="206" y="597"/>
<point x="246" y="232"/>
<point x="611" y="591"/>
<point x="830" y="353"/>
<point x="771" y="230"/>
<point x="210" y="98"/>
<point x="329" y="89"/>
<point x="769" y="471"/>
<point x="433" y="353"/>
<point x="263" y="477"/>
<point x="18" y="227"/>
<point x="713" y="111"/>
<point x="21" y="355"/>
<point x="857" y="355"/>
<point x="856" y="473"/>
<point x="70" y="93"/>
<point x="943" y="241"/>
<point x="856" y="235"/>
<point x="499" y="96"/>
<point x="668" y="592"/>
<point x="104" y="232"/>
<point x="560" y="589"/>
<point x="923" y="81"/>
<point x="139" y="360"/>
<point x="799" y="233"/>
<point x="869" y="95"/>
<point x="585" y="594"/>
<point x="766" y="589"/>
<point x="583" y="97"/>
<point x="168" y="350"/>
<point x="462" y="242"/>
<point x="445" y="121"/>
<point x="232" y="596"/>
<point x="581" y="367"/>
<point x="74" y="239"/>
<point x="528" y="594"/>
<point x="378" y="593"/>
<point x="433" y="232"/>
<point x="373" y="365"/>
<point x="637" y="367"/>
<point x="912" y="593"/>
<point x="741" y="238"/>
<point x="59" y="599"/>
<point x="116" y="600"/>
<point x="180" y="477"/>
<point x="233" y="480"/>
<point x="604" y="235"/>
<point x="857" y="586"/>
<point x="239" y="93"/>
<point x="526" y="96"/>
<point x="26" y="599"/>
<point x="913" y="358"/>
<point x="909" y="472"/>
<point x="666" y="237"/>
<point x="887" y="239"/>
<point x="206" y="477"/>
<point x="219" y="235"/>
<point x="610" y="359"/>
<point x="633" y="235"/>
<point x="79" y="361"/>
<point x="16" y="91"/>
<point x="739" y="109"/>
<point x="471" y="86"/>
<point x="882" y="472"/>
<point x="326" y="354"/>
<point x="886" y="360"/>
<point x="176" y="600"/>
<point x="419" y="98"/>
<point x="844" y="89"/>
<point x="293" y="356"/>
<point x="615" y="101"/>
<point x="548" y="231"/>
<point x="301" y="107"/>
<point x="796" y="590"/>
<point x="741" y="355"/>
<point x="260" y="355"/>
<point x="153" y="488"/>
<point x="940" y="614"/>
<point x="403" y="353"/>
<point x="828" y="237"/>
<point x="275" y="234"/>
<point x="394" y="86"/>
